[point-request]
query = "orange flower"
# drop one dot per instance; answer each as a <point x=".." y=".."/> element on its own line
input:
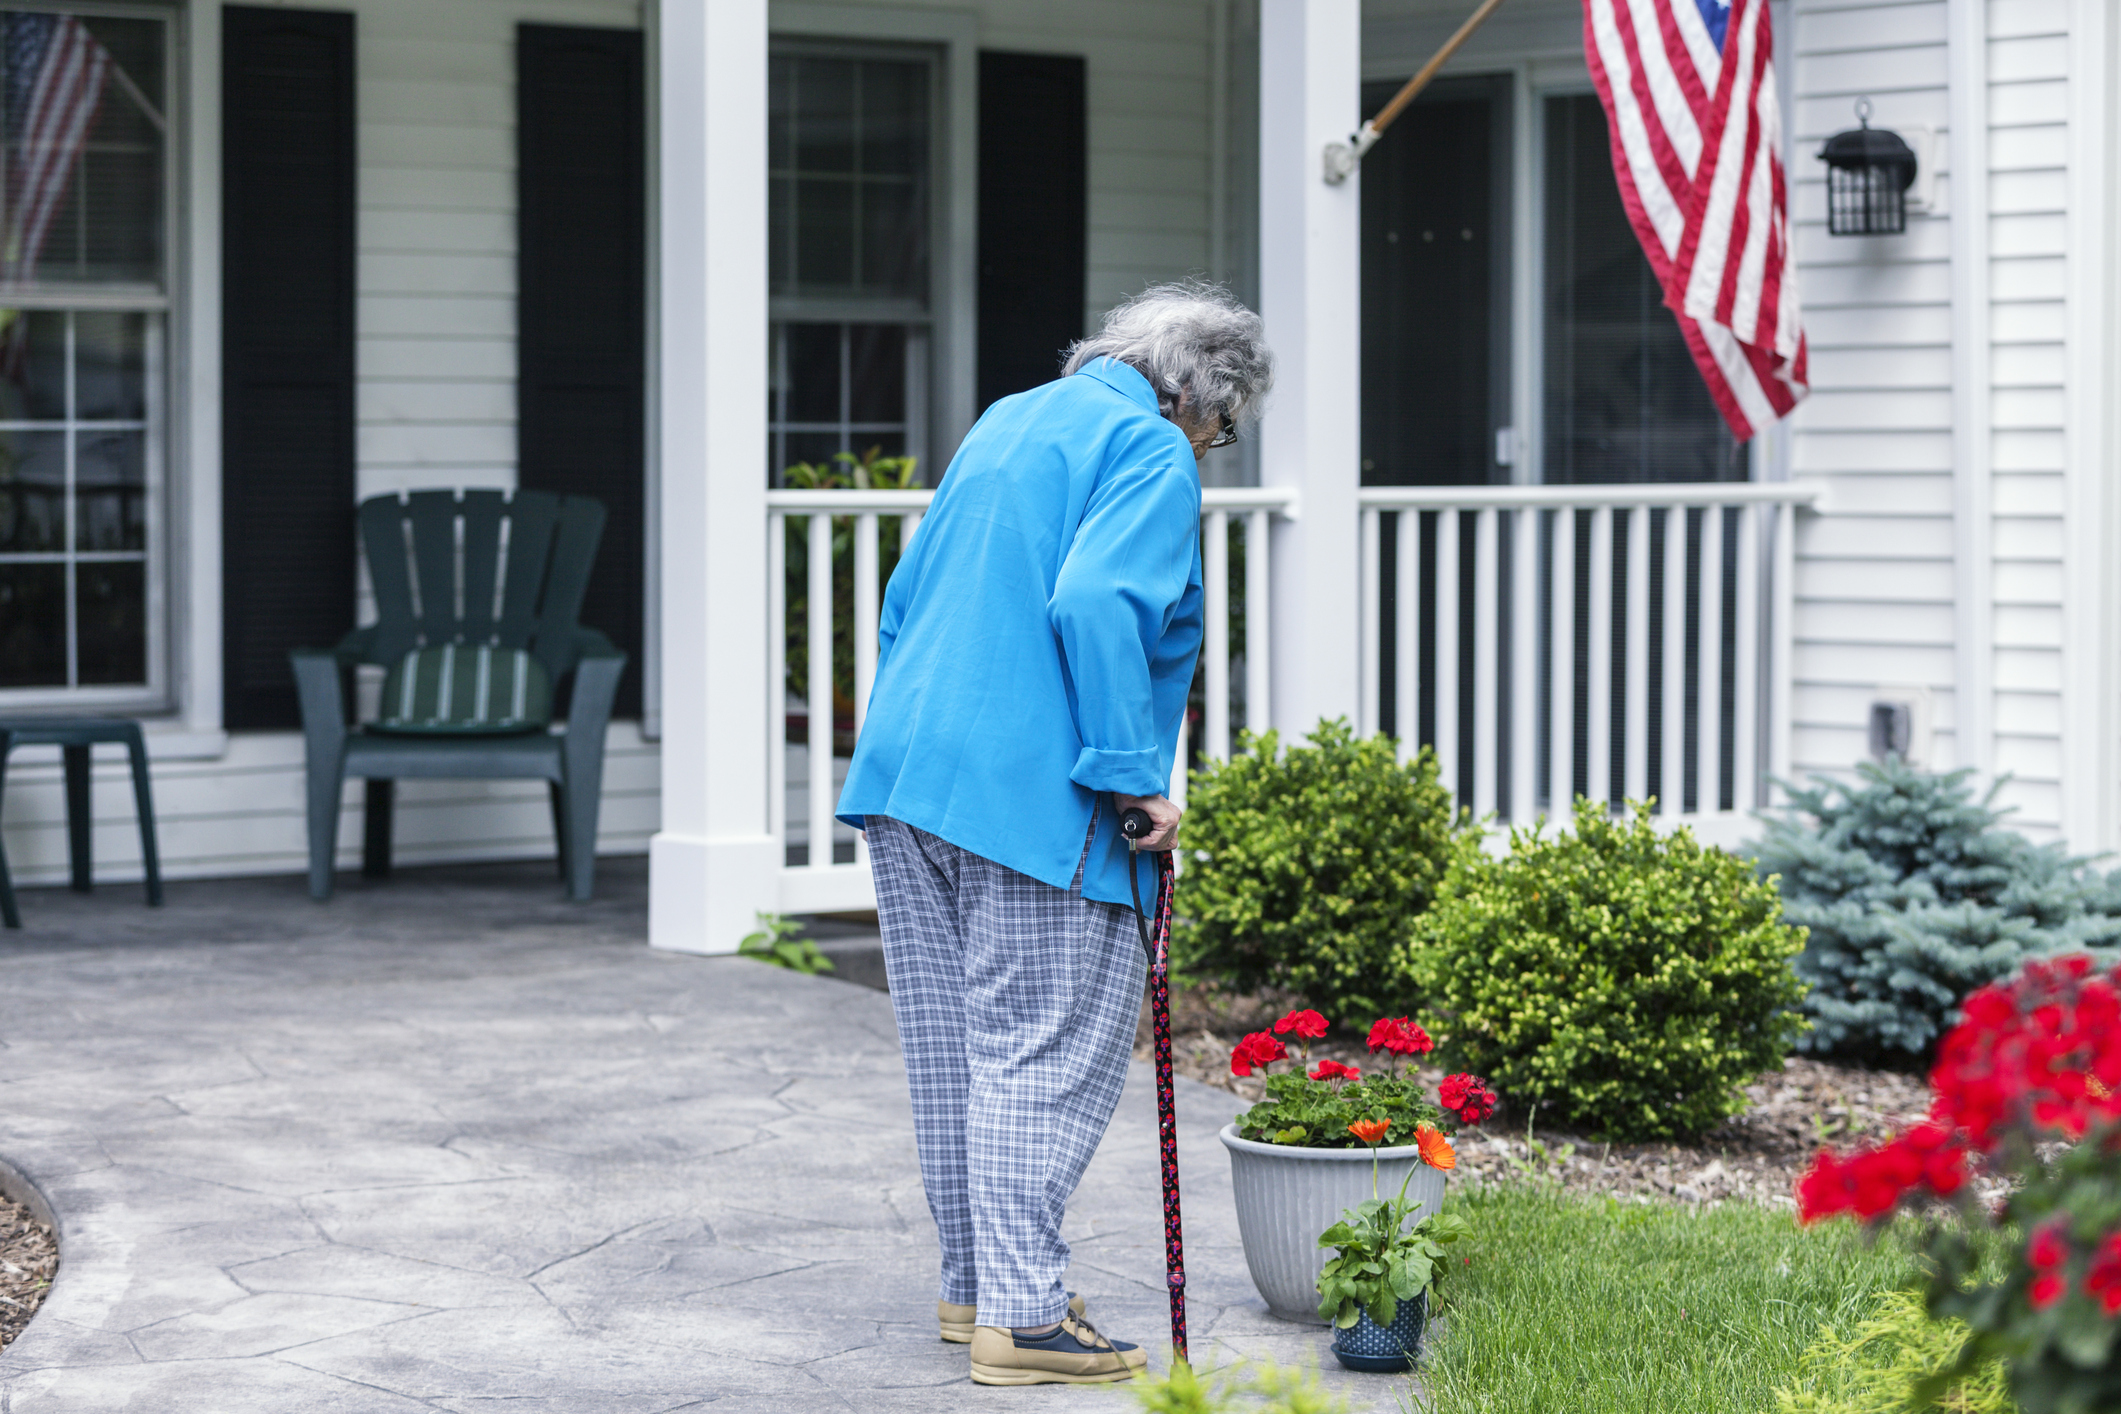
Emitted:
<point x="1436" y="1151"/>
<point x="1369" y="1131"/>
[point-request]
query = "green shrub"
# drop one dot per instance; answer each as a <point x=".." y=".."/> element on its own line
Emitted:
<point x="1625" y="980"/>
<point x="1916" y="897"/>
<point x="1305" y="868"/>
<point x="1875" y="1369"/>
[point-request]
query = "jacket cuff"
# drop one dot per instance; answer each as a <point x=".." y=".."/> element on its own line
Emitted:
<point x="1121" y="772"/>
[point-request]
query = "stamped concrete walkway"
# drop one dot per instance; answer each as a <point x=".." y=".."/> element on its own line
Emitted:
<point x="451" y="1144"/>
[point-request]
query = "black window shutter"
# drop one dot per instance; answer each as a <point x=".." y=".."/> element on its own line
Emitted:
<point x="287" y="349"/>
<point x="581" y="295"/>
<point x="1033" y="217"/>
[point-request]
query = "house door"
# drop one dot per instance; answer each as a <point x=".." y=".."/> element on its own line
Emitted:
<point x="1435" y="340"/>
<point x="1435" y="287"/>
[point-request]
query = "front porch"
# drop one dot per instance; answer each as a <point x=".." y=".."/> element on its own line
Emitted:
<point x="387" y="1157"/>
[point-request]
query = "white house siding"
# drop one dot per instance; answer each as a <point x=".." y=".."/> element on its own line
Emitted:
<point x="1874" y="579"/>
<point x="436" y="408"/>
<point x="2028" y="63"/>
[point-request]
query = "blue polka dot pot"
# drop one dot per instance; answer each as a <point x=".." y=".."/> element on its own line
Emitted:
<point x="1383" y="1350"/>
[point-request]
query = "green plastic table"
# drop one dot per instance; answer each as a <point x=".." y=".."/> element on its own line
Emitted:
<point x="75" y="736"/>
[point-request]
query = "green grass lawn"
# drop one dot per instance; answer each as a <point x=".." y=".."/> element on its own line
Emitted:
<point x="1595" y="1306"/>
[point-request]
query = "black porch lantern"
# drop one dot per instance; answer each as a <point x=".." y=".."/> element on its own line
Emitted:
<point x="1868" y="172"/>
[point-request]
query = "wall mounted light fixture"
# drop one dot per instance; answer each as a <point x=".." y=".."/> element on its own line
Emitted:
<point x="1868" y="172"/>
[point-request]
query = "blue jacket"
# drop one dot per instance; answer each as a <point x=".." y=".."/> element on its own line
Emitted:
<point x="1038" y="637"/>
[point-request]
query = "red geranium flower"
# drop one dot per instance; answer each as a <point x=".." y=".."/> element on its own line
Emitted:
<point x="1334" y="1070"/>
<point x="1307" y="1024"/>
<point x="1256" y="1051"/>
<point x="1467" y="1096"/>
<point x="2048" y="1249"/>
<point x="2104" y="1279"/>
<point x="1369" y="1131"/>
<point x="1399" y="1036"/>
<point x="2046" y="1290"/>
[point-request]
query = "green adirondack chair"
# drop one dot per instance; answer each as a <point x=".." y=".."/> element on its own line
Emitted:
<point x="476" y="598"/>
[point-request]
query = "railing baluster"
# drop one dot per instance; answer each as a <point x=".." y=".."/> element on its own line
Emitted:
<point x="1598" y="719"/>
<point x="866" y="591"/>
<point x="1524" y="666"/>
<point x="1745" y="685"/>
<point x="1406" y="627"/>
<point x="1486" y="658"/>
<point x="1256" y="623"/>
<point x="1215" y="593"/>
<point x="1708" y="709"/>
<point x="1781" y="732"/>
<point x="1636" y="725"/>
<point x="1671" y="783"/>
<point x="820" y="691"/>
<point x="1447" y="655"/>
<point x="777" y="678"/>
<point x="1561" y="703"/>
<point x="1369" y="619"/>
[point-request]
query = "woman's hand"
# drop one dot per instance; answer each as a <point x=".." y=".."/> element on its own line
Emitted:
<point x="1163" y="817"/>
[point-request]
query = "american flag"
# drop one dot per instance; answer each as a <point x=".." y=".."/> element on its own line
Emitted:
<point x="1689" y="94"/>
<point x="55" y="74"/>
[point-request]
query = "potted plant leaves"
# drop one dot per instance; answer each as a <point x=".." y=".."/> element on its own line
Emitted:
<point x="1297" y="1159"/>
<point x="1375" y="1289"/>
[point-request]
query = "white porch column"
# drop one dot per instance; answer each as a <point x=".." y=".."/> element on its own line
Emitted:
<point x="1310" y="76"/>
<point x="713" y="865"/>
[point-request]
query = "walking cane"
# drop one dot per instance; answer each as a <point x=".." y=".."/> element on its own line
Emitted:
<point x="1135" y="825"/>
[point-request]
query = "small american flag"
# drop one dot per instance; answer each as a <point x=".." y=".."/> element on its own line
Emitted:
<point x="55" y="74"/>
<point x="1689" y="94"/>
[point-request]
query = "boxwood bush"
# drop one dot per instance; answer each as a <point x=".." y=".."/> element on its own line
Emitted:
<point x="1625" y="980"/>
<point x="1305" y="868"/>
<point x="1915" y="897"/>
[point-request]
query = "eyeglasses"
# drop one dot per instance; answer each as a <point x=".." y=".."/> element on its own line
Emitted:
<point x="1226" y="436"/>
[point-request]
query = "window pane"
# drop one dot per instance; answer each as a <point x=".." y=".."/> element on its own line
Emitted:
<point x="32" y="625"/>
<point x="110" y="491"/>
<point x="894" y="118"/>
<point x="877" y="363"/>
<point x="110" y="367"/>
<point x="824" y="115"/>
<point x="1624" y="402"/>
<point x="32" y="365"/>
<point x="32" y="492"/>
<point x="113" y="610"/>
<point x="82" y="119"/>
<point x="813" y="353"/>
<point x="814" y="448"/>
<point x="824" y="233"/>
<point x="848" y="146"/>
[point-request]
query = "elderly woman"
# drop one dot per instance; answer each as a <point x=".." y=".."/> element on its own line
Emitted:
<point x="1036" y="648"/>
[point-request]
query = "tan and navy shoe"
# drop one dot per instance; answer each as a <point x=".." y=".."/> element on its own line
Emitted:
<point x="957" y="1321"/>
<point x="1074" y="1354"/>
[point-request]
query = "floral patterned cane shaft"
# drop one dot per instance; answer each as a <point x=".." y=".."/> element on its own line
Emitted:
<point x="1166" y="1111"/>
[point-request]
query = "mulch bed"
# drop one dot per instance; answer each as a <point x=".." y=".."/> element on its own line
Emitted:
<point x="1757" y="1156"/>
<point x="29" y="1258"/>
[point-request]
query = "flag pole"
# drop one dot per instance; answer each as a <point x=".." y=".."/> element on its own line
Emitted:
<point x="1343" y="158"/>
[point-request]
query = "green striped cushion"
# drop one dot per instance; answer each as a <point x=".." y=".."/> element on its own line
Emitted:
<point x="466" y="689"/>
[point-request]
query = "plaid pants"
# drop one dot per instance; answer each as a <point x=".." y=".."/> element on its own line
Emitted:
<point x="1016" y="1006"/>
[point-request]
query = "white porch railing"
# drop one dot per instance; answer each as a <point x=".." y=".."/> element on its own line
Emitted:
<point x="1617" y="642"/>
<point x="1566" y="640"/>
<point x="801" y="795"/>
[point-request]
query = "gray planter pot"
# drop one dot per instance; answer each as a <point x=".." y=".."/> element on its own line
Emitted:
<point x="1287" y="1196"/>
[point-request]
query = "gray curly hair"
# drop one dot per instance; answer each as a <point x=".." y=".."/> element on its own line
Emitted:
<point x="1196" y="344"/>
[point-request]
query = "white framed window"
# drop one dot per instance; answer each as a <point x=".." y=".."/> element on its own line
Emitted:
<point x="853" y="242"/>
<point x="86" y="182"/>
